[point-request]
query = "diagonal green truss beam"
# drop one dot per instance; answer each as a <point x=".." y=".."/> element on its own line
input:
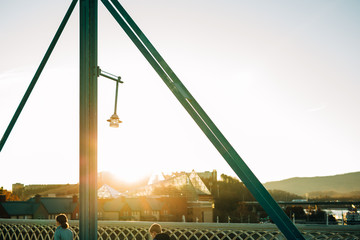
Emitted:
<point x="202" y="119"/>
<point x="37" y="74"/>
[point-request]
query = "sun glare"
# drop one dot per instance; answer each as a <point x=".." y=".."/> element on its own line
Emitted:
<point x="129" y="176"/>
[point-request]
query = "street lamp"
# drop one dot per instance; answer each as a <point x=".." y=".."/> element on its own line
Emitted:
<point x="114" y="119"/>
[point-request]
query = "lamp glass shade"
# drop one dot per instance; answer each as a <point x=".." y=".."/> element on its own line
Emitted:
<point x="114" y="121"/>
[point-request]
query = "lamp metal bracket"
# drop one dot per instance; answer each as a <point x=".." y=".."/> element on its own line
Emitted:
<point x="108" y="75"/>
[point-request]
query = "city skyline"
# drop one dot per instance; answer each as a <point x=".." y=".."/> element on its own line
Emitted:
<point x="279" y="79"/>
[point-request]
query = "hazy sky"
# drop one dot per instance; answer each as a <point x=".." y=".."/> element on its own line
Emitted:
<point x="280" y="79"/>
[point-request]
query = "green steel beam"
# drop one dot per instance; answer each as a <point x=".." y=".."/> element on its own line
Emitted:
<point x="88" y="119"/>
<point x="204" y="122"/>
<point x="37" y="74"/>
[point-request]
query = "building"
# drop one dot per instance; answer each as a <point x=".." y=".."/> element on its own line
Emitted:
<point x="40" y="208"/>
<point x="210" y="179"/>
<point x="114" y="209"/>
<point x="183" y="185"/>
<point x="107" y="192"/>
<point x="176" y="197"/>
<point x="143" y="209"/>
<point x="55" y="206"/>
<point x="22" y="210"/>
<point x="24" y="192"/>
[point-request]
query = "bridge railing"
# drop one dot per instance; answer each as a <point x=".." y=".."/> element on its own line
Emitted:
<point x="14" y="229"/>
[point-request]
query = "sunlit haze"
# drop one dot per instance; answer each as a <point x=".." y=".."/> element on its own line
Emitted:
<point x="280" y="79"/>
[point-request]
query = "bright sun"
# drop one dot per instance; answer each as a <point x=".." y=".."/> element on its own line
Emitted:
<point x="129" y="173"/>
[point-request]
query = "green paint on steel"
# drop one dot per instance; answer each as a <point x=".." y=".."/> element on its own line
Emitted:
<point x="203" y="121"/>
<point x="88" y="119"/>
<point x="37" y="74"/>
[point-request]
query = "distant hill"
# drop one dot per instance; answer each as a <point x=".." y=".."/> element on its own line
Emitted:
<point x="334" y="185"/>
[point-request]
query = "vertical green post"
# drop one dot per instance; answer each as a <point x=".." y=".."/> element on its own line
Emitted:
<point x="88" y="119"/>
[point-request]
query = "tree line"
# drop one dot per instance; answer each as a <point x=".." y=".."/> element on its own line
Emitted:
<point x="231" y="195"/>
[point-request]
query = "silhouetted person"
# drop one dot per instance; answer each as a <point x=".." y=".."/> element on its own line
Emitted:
<point x="62" y="232"/>
<point x="156" y="234"/>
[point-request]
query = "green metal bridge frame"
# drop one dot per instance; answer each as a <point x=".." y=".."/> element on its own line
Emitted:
<point x="88" y="115"/>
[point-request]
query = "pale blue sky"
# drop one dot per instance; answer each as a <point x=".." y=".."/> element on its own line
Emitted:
<point x="280" y="79"/>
